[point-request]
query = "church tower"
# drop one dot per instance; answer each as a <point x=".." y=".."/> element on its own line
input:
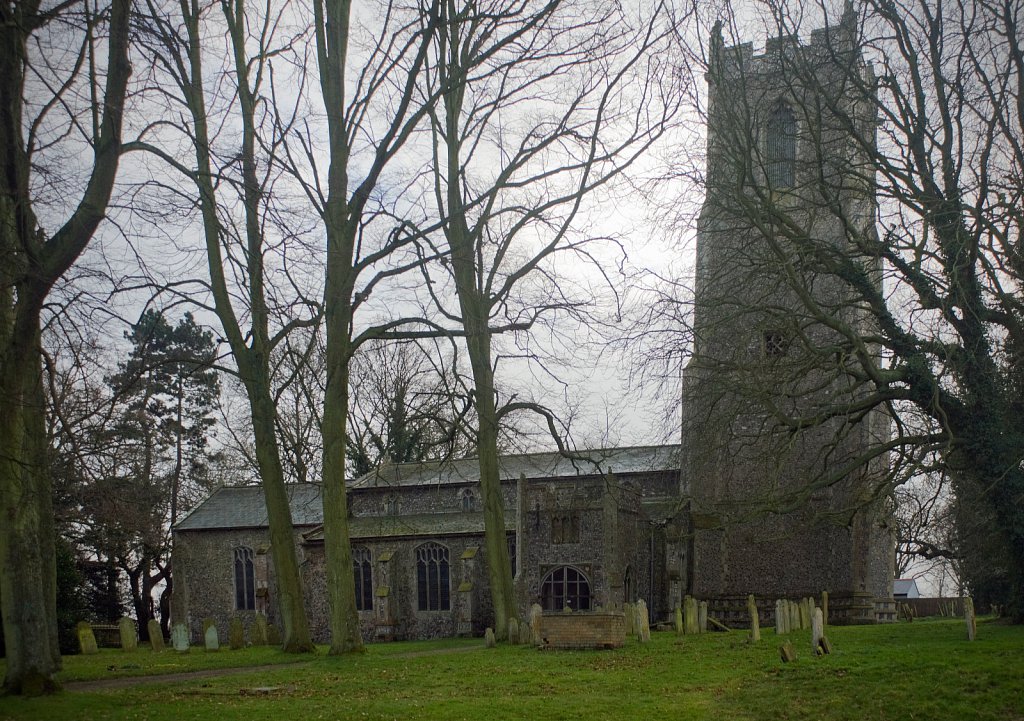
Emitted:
<point x="786" y="476"/>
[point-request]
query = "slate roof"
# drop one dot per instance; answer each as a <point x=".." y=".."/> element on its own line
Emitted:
<point x="636" y="459"/>
<point x="245" y="507"/>
<point x="905" y="588"/>
<point x="423" y="524"/>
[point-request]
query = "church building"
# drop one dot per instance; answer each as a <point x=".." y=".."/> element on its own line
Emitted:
<point x="769" y="493"/>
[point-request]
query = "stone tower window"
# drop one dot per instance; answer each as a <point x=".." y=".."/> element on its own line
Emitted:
<point x="565" y="586"/>
<point x="467" y="500"/>
<point x="364" y="578"/>
<point x="775" y="344"/>
<point x="780" y="147"/>
<point x="245" y="580"/>
<point x="433" y="589"/>
<point x="565" y="528"/>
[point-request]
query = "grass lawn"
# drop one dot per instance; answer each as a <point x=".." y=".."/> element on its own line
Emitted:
<point x="923" y="670"/>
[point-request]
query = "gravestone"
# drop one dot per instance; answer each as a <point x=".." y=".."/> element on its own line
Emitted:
<point x="236" y="634"/>
<point x="805" y="614"/>
<point x="702" y="617"/>
<point x="258" y="632"/>
<point x="969" y="619"/>
<point x="211" y="640"/>
<point x="794" y="615"/>
<point x="629" y="610"/>
<point x="817" y="631"/>
<point x="179" y="637"/>
<point x="126" y="630"/>
<point x="690" y="621"/>
<point x="513" y="630"/>
<point x="679" y="621"/>
<point x="86" y="638"/>
<point x="525" y="634"/>
<point x="273" y="635"/>
<point x="156" y="635"/>
<point x="489" y="641"/>
<point x="535" y="621"/>
<point x="786" y="652"/>
<point x="824" y="608"/>
<point x="780" y="617"/>
<point x="755" y="622"/>
<point x="644" y="621"/>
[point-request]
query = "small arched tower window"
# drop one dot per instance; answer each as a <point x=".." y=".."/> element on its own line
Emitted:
<point x="780" y="147"/>
<point x="467" y="500"/>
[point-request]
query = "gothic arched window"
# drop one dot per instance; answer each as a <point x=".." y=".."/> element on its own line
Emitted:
<point x="364" y="578"/>
<point x="245" y="580"/>
<point x="780" y="147"/>
<point x="432" y="577"/>
<point x="565" y="586"/>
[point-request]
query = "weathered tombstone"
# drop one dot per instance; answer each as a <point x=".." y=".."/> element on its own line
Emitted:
<point x="258" y="632"/>
<point x="525" y="634"/>
<point x="489" y="641"/>
<point x="211" y="640"/>
<point x="86" y="638"/>
<point x="179" y="637"/>
<point x="679" y="620"/>
<point x="824" y="608"/>
<point x="535" y="621"/>
<point x="513" y="630"/>
<point x="629" y="609"/>
<point x="644" y="620"/>
<point x="786" y="652"/>
<point x="817" y="631"/>
<point x="156" y="635"/>
<point x="794" y="615"/>
<point x="690" y="621"/>
<point x="805" y="614"/>
<point x="780" y="617"/>
<point x="273" y="635"/>
<point x="702" y="617"/>
<point x="972" y="625"/>
<point x="236" y="634"/>
<point x="755" y="622"/>
<point x="129" y="637"/>
<point x="825" y="646"/>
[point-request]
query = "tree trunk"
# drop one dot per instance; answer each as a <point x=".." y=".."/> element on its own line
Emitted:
<point x="296" y="637"/>
<point x="28" y="591"/>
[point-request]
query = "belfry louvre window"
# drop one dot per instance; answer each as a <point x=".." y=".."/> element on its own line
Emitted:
<point x="780" y="147"/>
<point x="364" y="578"/>
<point x="565" y="586"/>
<point x="432" y="578"/>
<point x="245" y="581"/>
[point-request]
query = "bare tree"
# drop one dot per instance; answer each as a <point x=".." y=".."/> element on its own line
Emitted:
<point x="70" y="102"/>
<point x="930" y="132"/>
<point x="542" y="104"/>
<point x="232" y="178"/>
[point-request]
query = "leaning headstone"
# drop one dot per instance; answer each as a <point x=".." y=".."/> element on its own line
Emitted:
<point x="258" y="632"/>
<point x="86" y="638"/>
<point x="126" y="630"/>
<point x="817" y="631"/>
<point x="755" y="622"/>
<point x="535" y="620"/>
<point x="179" y="637"/>
<point x="211" y="640"/>
<point x="787" y="652"/>
<point x="690" y="621"/>
<point x="156" y="634"/>
<point x="644" y="621"/>
<point x="236" y="634"/>
<point x="824" y="608"/>
<point x="513" y="630"/>
<point x="679" y="620"/>
<point x="702" y="617"/>
<point x="273" y="635"/>
<point x="489" y="641"/>
<point x="969" y="619"/>
<point x="824" y="646"/>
